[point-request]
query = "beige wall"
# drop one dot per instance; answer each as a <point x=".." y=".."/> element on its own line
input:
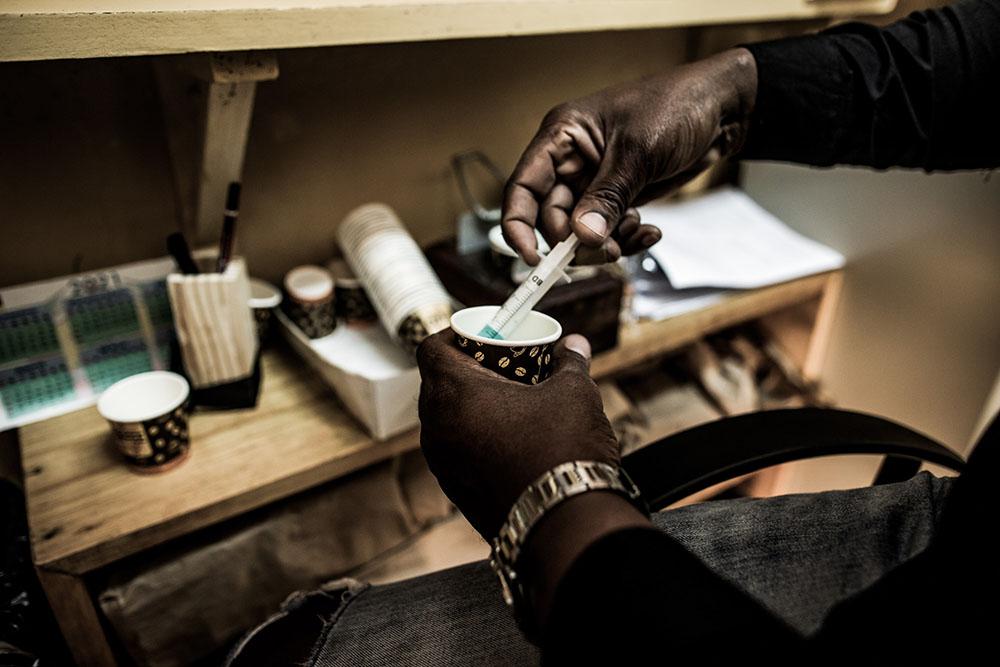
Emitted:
<point x="85" y="175"/>
<point x="917" y="331"/>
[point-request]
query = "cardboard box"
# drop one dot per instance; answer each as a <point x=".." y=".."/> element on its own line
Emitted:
<point x="377" y="381"/>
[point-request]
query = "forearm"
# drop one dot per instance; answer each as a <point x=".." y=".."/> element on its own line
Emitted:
<point x="919" y="93"/>
<point x="565" y="533"/>
<point x="636" y="596"/>
<point x="596" y="568"/>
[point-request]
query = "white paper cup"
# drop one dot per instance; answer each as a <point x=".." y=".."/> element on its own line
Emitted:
<point x="263" y="294"/>
<point x="351" y="302"/>
<point x="525" y="356"/>
<point x="148" y="414"/>
<point x="310" y="300"/>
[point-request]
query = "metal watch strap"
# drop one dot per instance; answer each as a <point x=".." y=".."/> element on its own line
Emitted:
<point x="561" y="483"/>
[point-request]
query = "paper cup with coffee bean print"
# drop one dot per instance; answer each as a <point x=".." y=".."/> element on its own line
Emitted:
<point x="523" y="356"/>
<point x="310" y="300"/>
<point x="148" y="414"/>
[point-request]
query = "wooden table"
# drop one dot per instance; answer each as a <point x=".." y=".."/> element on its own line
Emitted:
<point x="86" y="510"/>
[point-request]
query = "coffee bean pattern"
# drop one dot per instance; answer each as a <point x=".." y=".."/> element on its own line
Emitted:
<point x="353" y="305"/>
<point x="527" y="365"/>
<point x="420" y="324"/>
<point x="412" y="332"/>
<point x="155" y="442"/>
<point x="314" y="319"/>
<point x="262" y="319"/>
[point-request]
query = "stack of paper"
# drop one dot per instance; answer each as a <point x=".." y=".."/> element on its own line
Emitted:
<point x="719" y="241"/>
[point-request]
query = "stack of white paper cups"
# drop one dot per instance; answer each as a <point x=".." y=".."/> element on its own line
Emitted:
<point x="402" y="286"/>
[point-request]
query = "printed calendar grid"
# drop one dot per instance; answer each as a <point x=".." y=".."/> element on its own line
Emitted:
<point x="103" y="324"/>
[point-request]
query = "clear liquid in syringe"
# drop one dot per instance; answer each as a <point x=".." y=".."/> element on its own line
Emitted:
<point x="531" y="291"/>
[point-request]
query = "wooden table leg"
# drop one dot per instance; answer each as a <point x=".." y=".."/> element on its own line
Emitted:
<point x="74" y="610"/>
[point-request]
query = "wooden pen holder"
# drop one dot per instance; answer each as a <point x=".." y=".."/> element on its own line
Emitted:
<point x="215" y="331"/>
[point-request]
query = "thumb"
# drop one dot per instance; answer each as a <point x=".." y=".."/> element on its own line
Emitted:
<point x="603" y="203"/>
<point x="573" y="355"/>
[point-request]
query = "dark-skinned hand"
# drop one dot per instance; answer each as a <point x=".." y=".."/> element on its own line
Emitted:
<point x="596" y="158"/>
<point x="486" y="438"/>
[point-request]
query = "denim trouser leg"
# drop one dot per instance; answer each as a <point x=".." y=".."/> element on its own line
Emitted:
<point x="798" y="555"/>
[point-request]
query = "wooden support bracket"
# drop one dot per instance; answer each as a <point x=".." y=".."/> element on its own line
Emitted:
<point x="78" y="618"/>
<point x="207" y="105"/>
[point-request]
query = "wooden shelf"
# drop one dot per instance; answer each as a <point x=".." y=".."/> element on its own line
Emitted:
<point x="52" y="29"/>
<point x="86" y="509"/>
<point x="648" y="340"/>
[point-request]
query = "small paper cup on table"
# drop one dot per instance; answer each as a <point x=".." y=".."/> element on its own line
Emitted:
<point x="148" y="414"/>
<point x="524" y="356"/>
<point x="310" y="300"/>
<point x="264" y="298"/>
<point x="350" y="299"/>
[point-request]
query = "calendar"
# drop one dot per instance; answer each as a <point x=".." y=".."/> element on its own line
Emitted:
<point x="64" y="341"/>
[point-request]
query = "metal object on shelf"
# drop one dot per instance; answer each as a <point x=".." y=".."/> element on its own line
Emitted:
<point x="474" y="224"/>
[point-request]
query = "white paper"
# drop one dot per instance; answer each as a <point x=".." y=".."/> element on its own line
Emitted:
<point x="665" y="305"/>
<point x="375" y="379"/>
<point x="363" y="349"/>
<point x="725" y="239"/>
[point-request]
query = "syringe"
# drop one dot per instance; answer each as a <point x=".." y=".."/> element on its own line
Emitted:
<point x="538" y="282"/>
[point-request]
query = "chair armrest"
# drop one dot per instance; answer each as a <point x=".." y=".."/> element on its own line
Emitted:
<point x="686" y="462"/>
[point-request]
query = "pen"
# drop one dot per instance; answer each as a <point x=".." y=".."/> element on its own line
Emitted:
<point x="178" y="248"/>
<point x="229" y="226"/>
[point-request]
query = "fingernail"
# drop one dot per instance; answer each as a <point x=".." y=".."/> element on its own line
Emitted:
<point x="595" y="222"/>
<point x="578" y="344"/>
<point x="651" y="238"/>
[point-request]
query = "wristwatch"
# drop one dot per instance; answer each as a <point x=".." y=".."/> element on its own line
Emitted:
<point x="558" y="484"/>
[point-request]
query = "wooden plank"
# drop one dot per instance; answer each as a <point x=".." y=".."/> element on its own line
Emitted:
<point x="208" y="104"/>
<point x="49" y="29"/>
<point x="227" y="126"/>
<point x="647" y="340"/>
<point x="819" y="341"/>
<point x="78" y="620"/>
<point x="86" y="509"/>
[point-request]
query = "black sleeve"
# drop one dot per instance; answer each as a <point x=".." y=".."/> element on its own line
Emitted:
<point x="922" y="92"/>
<point x="639" y="597"/>
<point x="946" y="595"/>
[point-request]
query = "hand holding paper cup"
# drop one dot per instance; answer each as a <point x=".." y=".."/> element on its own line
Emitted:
<point x="524" y="356"/>
<point x="149" y="419"/>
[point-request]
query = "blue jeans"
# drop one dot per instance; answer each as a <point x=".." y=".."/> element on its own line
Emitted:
<point x="798" y="555"/>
